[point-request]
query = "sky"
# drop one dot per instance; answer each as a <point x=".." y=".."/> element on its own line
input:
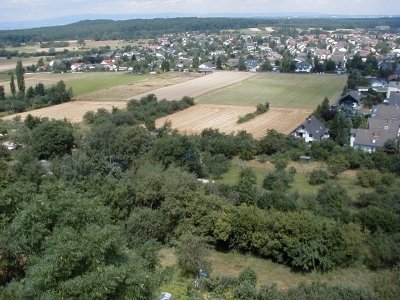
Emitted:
<point x="26" y="10"/>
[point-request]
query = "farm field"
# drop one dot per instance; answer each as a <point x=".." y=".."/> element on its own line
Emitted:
<point x="89" y="44"/>
<point x="72" y="111"/>
<point x="200" y="86"/>
<point x="132" y="89"/>
<point x="280" y="90"/>
<point x="105" y="86"/>
<point x="224" y="117"/>
<point x="9" y="64"/>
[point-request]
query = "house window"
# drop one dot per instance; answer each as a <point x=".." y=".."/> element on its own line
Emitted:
<point x="310" y="135"/>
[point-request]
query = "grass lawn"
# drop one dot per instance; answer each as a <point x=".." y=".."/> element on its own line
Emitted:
<point x="300" y="184"/>
<point x="101" y="80"/>
<point x="280" y="90"/>
<point x="268" y="272"/>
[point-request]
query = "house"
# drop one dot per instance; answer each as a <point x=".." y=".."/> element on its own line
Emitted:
<point x="253" y="64"/>
<point x="385" y="112"/>
<point x="311" y="130"/>
<point x="351" y="100"/>
<point x="383" y="125"/>
<point x="369" y="140"/>
<point x="394" y="99"/>
<point x="233" y="62"/>
<point x="77" y="67"/>
<point x="303" y="67"/>
<point x="393" y="86"/>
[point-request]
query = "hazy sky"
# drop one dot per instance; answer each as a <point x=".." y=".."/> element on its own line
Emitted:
<point x="19" y="10"/>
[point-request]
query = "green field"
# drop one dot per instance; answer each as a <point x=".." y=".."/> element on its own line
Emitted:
<point x="300" y="184"/>
<point x="268" y="272"/>
<point x="280" y="90"/>
<point x="101" y="80"/>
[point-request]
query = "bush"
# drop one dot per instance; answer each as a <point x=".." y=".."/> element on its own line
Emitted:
<point x="318" y="176"/>
<point x="278" y="180"/>
<point x="368" y="178"/>
<point x="248" y="276"/>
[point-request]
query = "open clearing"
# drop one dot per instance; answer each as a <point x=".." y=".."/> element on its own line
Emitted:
<point x="268" y="272"/>
<point x="224" y="117"/>
<point x="200" y="86"/>
<point x="347" y="179"/>
<point x="279" y="89"/>
<point x="72" y="111"/>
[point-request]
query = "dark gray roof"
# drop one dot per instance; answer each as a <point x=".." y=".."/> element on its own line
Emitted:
<point x="385" y="112"/>
<point x="356" y="95"/>
<point x="372" y="138"/>
<point x="387" y="125"/>
<point x="394" y="99"/>
<point x="315" y="127"/>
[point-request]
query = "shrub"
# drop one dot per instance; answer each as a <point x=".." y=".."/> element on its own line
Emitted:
<point x="368" y="178"/>
<point x="248" y="276"/>
<point x="318" y="176"/>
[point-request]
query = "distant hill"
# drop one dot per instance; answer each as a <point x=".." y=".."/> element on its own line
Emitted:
<point x="149" y="28"/>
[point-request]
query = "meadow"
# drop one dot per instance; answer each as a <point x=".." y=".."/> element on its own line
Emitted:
<point x="279" y="89"/>
<point x="347" y="179"/>
<point x="268" y="272"/>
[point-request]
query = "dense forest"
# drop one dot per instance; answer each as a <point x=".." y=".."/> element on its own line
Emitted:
<point x="85" y="208"/>
<point x="138" y="28"/>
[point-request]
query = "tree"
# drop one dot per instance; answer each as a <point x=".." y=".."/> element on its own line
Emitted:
<point x="81" y="42"/>
<point x="52" y="138"/>
<point x="196" y="62"/>
<point x="340" y="129"/>
<point x="19" y="71"/>
<point x="330" y="66"/>
<point x="12" y="85"/>
<point x="337" y="164"/>
<point x="2" y="93"/>
<point x="40" y="62"/>
<point x="165" y="65"/>
<point x="192" y="254"/>
<point x="219" y="63"/>
<point x="266" y="66"/>
<point x="242" y="64"/>
<point x="246" y="186"/>
<point x="40" y="89"/>
<point x="216" y="165"/>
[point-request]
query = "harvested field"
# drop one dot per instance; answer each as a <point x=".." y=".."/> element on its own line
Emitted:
<point x="224" y="117"/>
<point x="72" y="111"/>
<point x="199" y="86"/>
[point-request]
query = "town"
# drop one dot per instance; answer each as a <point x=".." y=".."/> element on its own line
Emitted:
<point x="201" y="158"/>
